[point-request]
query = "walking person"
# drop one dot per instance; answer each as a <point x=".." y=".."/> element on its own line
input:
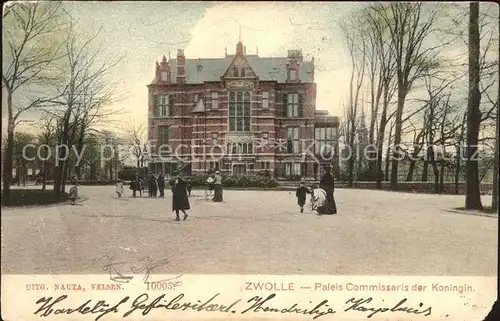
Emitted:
<point x="301" y="193"/>
<point x="180" y="200"/>
<point x="119" y="188"/>
<point x="152" y="185"/>
<point x="73" y="191"/>
<point x="327" y="183"/>
<point x="161" y="184"/>
<point x="217" y="187"/>
<point x="135" y="185"/>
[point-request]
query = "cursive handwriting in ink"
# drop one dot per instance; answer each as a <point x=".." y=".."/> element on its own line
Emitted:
<point x="258" y="306"/>
<point x="140" y="303"/>
<point x="101" y="307"/>
<point x="148" y="264"/>
<point x="359" y="305"/>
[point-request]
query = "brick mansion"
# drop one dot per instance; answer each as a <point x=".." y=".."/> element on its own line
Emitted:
<point x="241" y="114"/>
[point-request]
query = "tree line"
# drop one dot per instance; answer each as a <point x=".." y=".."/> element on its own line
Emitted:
<point x="412" y="60"/>
<point x="54" y="71"/>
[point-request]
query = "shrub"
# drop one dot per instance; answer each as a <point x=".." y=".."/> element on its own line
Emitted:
<point x="86" y="183"/>
<point x="128" y="173"/>
<point x="293" y="178"/>
<point x="236" y="181"/>
<point x="25" y="197"/>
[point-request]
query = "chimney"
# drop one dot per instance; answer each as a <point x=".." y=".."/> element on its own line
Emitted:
<point x="239" y="48"/>
<point x="181" y="72"/>
<point x="157" y="71"/>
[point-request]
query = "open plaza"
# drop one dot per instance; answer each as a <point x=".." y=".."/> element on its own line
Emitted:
<point x="253" y="232"/>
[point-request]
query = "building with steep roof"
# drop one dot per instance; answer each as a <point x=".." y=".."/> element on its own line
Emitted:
<point x="241" y="114"/>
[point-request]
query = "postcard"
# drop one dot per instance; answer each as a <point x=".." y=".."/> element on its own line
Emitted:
<point x="249" y="160"/>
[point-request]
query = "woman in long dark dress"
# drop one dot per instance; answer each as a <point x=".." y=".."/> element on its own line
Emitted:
<point x="327" y="183"/>
<point x="180" y="200"/>
<point x="217" y="187"/>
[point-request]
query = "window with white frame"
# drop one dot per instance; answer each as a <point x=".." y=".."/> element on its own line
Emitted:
<point x="239" y="111"/>
<point x="293" y="74"/>
<point x="162" y="105"/>
<point x="215" y="100"/>
<point x="265" y="139"/>
<point x="162" y="138"/>
<point x="215" y="165"/>
<point x="214" y="138"/>
<point x="325" y="139"/>
<point x="293" y="143"/>
<point x="240" y="148"/>
<point x="293" y="105"/>
<point x="292" y="169"/>
<point x="265" y="99"/>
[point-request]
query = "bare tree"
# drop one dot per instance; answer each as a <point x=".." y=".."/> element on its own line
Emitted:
<point x="382" y="64"/>
<point x="84" y="96"/>
<point x="473" y="194"/>
<point x="356" y="45"/>
<point x="47" y="138"/>
<point x="136" y="135"/>
<point x="409" y="26"/>
<point x="31" y="47"/>
<point x="494" y="194"/>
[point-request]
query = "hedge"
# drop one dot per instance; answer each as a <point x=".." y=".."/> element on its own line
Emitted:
<point x="26" y="197"/>
<point x="86" y="183"/>
<point x="235" y="181"/>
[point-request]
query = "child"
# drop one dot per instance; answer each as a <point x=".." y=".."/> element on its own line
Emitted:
<point x="119" y="188"/>
<point x="73" y="191"/>
<point x="318" y="199"/>
<point x="301" y="194"/>
<point x="210" y="183"/>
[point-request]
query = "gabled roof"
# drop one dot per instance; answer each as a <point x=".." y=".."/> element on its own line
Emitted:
<point x="267" y="69"/>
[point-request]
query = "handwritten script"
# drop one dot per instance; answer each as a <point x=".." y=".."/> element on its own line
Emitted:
<point x="143" y="265"/>
<point x="258" y="304"/>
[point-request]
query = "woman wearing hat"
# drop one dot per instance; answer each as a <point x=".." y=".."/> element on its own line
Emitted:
<point x="180" y="200"/>
<point x="327" y="183"/>
<point x="217" y="187"/>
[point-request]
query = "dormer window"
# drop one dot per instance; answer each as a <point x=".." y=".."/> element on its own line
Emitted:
<point x="199" y="68"/>
<point x="242" y="72"/>
<point x="235" y="72"/>
<point x="293" y="75"/>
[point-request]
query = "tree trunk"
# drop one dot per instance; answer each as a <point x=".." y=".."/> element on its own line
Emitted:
<point x="473" y="195"/>
<point x="431" y="156"/>
<point x="8" y="159"/>
<point x="397" y="134"/>
<point x="441" y="176"/>
<point x="380" y="143"/>
<point x="411" y="169"/>
<point x="44" y="179"/>
<point x="457" y="168"/>
<point x="425" y="171"/>
<point x="494" y="192"/>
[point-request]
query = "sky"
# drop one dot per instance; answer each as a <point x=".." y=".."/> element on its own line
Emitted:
<point x="142" y="32"/>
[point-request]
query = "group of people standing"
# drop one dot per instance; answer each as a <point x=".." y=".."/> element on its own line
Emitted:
<point x="322" y="197"/>
<point x="155" y="183"/>
<point x="214" y="183"/>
